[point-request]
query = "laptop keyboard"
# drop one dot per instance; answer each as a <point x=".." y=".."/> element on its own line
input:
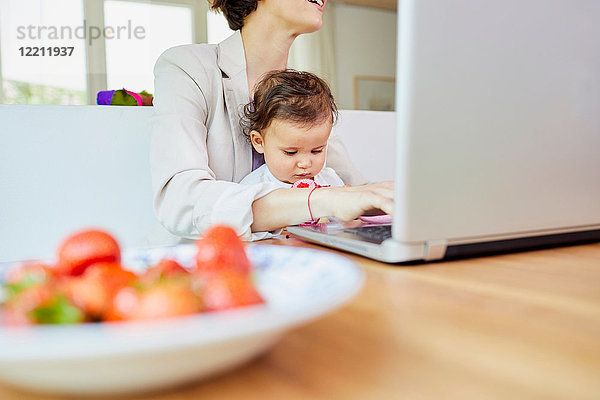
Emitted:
<point x="372" y="233"/>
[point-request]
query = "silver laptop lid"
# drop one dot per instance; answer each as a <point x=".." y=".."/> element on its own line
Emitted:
<point x="498" y="107"/>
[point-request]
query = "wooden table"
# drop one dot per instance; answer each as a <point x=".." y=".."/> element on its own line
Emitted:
<point x="516" y="326"/>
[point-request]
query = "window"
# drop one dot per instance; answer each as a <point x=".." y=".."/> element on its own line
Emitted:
<point x="130" y="59"/>
<point x="115" y="44"/>
<point x="33" y="67"/>
<point x="217" y="27"/>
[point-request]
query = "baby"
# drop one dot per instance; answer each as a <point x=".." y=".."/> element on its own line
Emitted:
<point x="289" y="122"/>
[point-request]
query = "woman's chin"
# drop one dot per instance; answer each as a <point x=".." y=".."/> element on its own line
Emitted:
<point x="318" y="23"/>
<point x="311" y="26"/>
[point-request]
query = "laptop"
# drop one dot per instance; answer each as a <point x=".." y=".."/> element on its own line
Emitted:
<point x="497" y="134"/>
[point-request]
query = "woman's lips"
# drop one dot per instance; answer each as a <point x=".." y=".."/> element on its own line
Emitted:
<point x="319" y="3"/>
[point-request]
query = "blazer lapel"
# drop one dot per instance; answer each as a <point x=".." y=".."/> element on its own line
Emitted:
<point x="232" y="62"/>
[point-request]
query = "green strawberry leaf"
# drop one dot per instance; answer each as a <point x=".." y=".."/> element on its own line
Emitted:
<point x="58" y="311"/>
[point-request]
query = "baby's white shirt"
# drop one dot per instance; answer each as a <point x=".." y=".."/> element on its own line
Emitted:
<point x="327" y="177"/>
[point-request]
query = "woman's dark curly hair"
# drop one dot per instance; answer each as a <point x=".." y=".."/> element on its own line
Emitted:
<point x="235" y="11"/>
<point x="298" y="97"/>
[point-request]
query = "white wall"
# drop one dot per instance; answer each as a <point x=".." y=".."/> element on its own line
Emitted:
<point x="369" y="137"/>
<point x="365" y="44"/>
<point x="66" y="168"/>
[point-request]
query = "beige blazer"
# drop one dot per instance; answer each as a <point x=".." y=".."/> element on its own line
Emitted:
<point x="198" y="152"/>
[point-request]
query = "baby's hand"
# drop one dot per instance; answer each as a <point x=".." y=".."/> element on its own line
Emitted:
<point x="349" y="202"/>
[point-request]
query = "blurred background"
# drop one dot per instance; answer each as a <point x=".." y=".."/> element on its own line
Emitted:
<point x="116" y="43"/>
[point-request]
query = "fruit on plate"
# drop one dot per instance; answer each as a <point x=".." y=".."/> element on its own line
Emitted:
<point x="93" y="292"/>
<point x="26" y="275"/>
<point x="229" y="289"/>
<point x="221" y="249"/>
<point x="40" y="304"/>
<point x="166" y="268"/>
<point x="84" y="248"/>
<point x="157" y="295"/>
<point x="88" y="283"/>
<point x="168" y="298"/>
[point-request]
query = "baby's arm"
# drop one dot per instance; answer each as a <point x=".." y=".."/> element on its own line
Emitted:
<point x="285" y="207"/>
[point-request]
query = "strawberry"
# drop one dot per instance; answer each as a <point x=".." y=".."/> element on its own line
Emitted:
<point x="123" y="305"/>
<point x="111" y="275"/>
<point x="85" y="248"/>
<point x="26" y="275"/>
<point x="228" y="289"/>
<point x="166" y="268"/>
<point x="167" y="299"/>
<point x="93" y="291"/>
<point x="221" y="249"/>
<point x="87" y="295"/>
<point x="32" y="297"/>
<point x="40" y="304"/>
<point x="35" y="271"/>
<point x="13" y="316"/>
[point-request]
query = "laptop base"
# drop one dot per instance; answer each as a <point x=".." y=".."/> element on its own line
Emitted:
<point x="391" y="251"/>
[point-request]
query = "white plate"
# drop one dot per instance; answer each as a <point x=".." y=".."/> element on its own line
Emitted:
<point x="298" y="285"/>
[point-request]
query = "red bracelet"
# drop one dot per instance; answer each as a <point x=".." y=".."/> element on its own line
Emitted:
<point x="309" y="211"/>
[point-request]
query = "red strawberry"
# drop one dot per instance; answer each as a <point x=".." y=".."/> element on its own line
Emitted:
<point x="85" y="248"/>
<point x="86" y="294"/>
<point x="229" y="289"/>
<point x="166" y="268"/>
<point x="13" y="316"/>
<point x="93" y="292"/>
<point x="123" y="305"/>
<point x="111" y="275"/>
<point x="40" y="304"/>
<point x="30" y="272"/>
<point x="32" y="297"/>
<point x="167" y="299"/>
<point x="221" y="249"/>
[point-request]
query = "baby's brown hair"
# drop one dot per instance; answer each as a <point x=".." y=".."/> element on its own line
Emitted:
<point x="301" y="98"/>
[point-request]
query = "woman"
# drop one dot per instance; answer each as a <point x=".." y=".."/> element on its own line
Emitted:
<point x="199" y="152"/>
